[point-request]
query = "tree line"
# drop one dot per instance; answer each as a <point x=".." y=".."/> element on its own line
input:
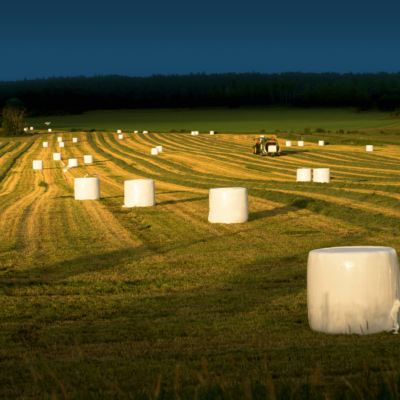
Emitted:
<point x="72" y="95"/>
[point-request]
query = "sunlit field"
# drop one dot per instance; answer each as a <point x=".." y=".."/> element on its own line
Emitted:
<point x="101" y="301"/>
<point x="220" y="119"/>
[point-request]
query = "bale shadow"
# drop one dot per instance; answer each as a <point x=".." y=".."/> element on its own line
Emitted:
<point x="272" y="213"/>
<point x="163" y="203"/>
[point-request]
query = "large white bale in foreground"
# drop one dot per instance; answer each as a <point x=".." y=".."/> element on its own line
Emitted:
<point x="75" y="140"/>
<point x="120" y="136"/>
<point x="88" y="159"/>
<point x="322" y="175"/>
<point x="304" y="175"/>
<point x="73" y="162"/>
<point x="159" y="148"/>
<point x="353" y="289"/>
<point x="49" y="129"/>
<point x="300" y="143"/>
<point x="321" y="143"/>
<point x="118" y="131"/>
<point x="87" y="188"/>
<point x="154" y="151"/>
<point x="228" y="205"/>
<point x="57" y="156"/>
<point x="211" y="132"/>
<point x="59" y="139"/>
<point x="288" y="144"/>
<point x="370" y="147"/>
<point x="61" y="144"/>
<point x="37" y="164"/>
<point x="45" y="144"/>
<point x="140" y="193"/>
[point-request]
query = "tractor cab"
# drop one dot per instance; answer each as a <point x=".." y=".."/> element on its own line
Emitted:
<point x="266" y="147"/>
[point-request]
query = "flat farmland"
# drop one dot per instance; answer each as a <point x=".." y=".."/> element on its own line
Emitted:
<point x="101" y="301"/>
<point x="251" y="119"/>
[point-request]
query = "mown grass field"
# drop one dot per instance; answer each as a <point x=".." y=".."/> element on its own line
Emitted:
<point x="100" y="301"/>
<point x="251" y="119"/>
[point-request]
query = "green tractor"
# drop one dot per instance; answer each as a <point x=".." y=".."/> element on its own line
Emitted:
<point x="266" y="147"/>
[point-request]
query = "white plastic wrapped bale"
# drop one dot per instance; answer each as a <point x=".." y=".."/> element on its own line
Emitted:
<point x="135" y="131"/>
<point x="57" y="156"/>
<point x="120" y="136"/>
<point x="61" y="144"/>
<point x="154" y="151"/>
<point x="59" y="139"/>
<point x="87" y="188"/>
<point x="145" y="132"/>
<point x="353" y="289"/>
<point x="159" y="148"/>
<point x="193" y="133"/>
<point x="370" y="147"/>
<point x="37" y="164"/>
<point x="73" y="162"/>
<point x="288" y="144"/>
<point x="25" y="129"/>
<point x="88" y="159"/>
<point x="300" y="143"/>
<point x="211" y="132"/>
<point x="272" y="149"/>
<point x="75" y="140"/>
<point x="49" y="130"/>
<point x="228" y="205"/>
<point x="118" y="131"/>
<point x="45" y="144"/>
<point x="322" y="175"/>
<point x="31" y="128"/>
<point x="304" y="175"/>
<point x="140" y="193"/>
<point x="321" y="143"/>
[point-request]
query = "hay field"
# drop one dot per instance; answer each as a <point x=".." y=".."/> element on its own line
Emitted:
<point x="244" y="119"/>
<point x="100" y="301"/>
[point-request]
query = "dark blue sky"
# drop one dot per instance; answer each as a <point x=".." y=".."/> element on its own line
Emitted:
<point x="57" y="38"/>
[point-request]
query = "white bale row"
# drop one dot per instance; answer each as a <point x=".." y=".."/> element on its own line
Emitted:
<point x="353" y="289"/>
<point x="61" y="144"/>
<point x="145" y="132"/>
<point x="228" y="205"/>
<point x="49" y="129"/>
<point x="45" y="144"/>
<point x="194" y="133"/>
<point x="74" y="140"/>
<point x="320" y="175"/>
<point x="57" y="156"/>
<point x="59" y="139"/>
<point x="211" y="132"/>
<point x="87" y="188"/>
<point x="73" y="162"/>
<point x="118" y="131"/>
<point x="154" y="151"/>
<point x="120" y="136"/>
<point x="37" y="164"/>
<point x="139" y="193"/>
<point x="88" y="159"/>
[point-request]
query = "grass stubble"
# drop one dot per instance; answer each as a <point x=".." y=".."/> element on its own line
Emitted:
<point x="99" y="301"/>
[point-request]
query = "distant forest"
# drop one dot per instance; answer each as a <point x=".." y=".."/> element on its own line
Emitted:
<point x="74" y="95"/>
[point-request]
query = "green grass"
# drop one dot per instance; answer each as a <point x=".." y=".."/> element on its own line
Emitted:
<point x="219" y="119"/>
<point x="100" y="301"/>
